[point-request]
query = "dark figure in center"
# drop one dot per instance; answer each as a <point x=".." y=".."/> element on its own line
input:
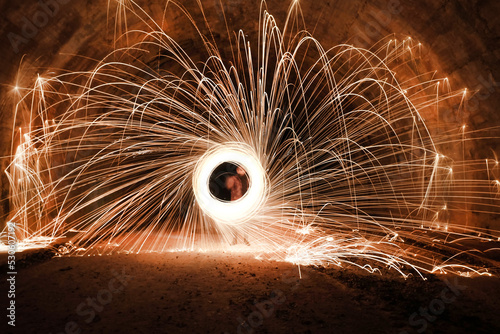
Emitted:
<point x="238" y="186"/>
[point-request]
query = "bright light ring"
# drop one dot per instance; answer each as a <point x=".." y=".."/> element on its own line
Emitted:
<point x="238" y="211"/>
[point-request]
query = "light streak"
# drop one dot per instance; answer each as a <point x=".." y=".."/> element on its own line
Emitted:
<point x="232" y="212"/>
<point x="342" y="165"/>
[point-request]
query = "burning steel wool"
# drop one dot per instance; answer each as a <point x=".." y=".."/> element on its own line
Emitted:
<point x="282" y="148"/>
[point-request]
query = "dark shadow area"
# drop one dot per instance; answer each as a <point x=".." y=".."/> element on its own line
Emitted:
<point x="229" y="182"/>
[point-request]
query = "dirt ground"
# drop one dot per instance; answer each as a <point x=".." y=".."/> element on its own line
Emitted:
<point x="235" y="293"/>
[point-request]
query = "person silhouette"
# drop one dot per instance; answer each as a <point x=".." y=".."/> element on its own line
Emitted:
<point x="238" y="186"/>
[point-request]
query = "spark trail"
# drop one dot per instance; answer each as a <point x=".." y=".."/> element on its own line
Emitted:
<point x="342" y="167"/>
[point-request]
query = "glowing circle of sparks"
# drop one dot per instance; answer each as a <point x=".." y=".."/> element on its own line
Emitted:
<point x="230" y="212"/>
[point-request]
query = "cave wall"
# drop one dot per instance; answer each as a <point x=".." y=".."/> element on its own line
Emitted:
<point x="460" y="40"/>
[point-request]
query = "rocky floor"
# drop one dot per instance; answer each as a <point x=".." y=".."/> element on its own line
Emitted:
<point x="235" y="293"/>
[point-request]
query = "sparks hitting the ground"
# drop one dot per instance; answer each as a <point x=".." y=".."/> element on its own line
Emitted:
<point x="341" y="165"/>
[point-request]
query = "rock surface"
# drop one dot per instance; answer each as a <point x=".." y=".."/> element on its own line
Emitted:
<point x="235" y="293"/>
